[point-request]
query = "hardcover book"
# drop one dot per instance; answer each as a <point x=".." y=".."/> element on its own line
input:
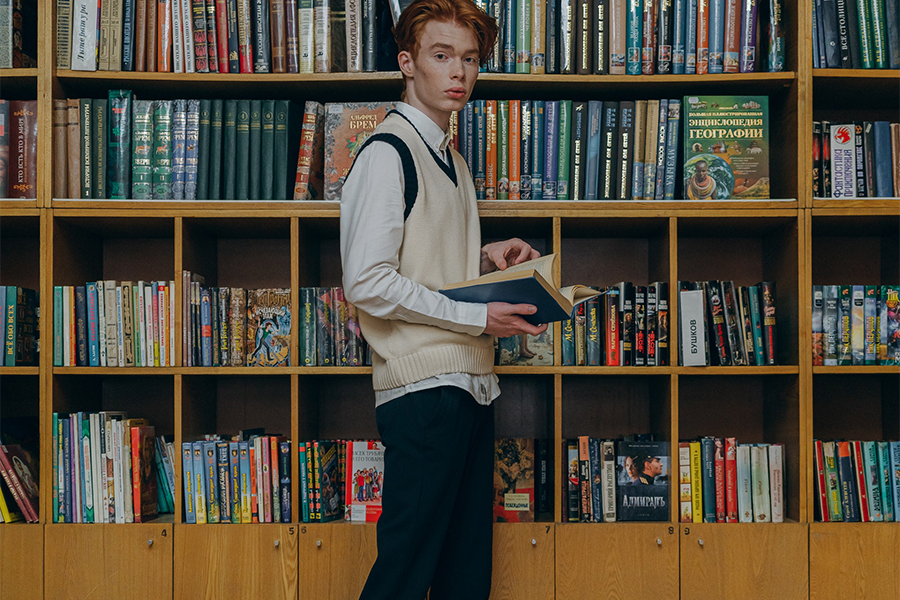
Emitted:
<point x="514" y="477"/>
<point x="364" y="475"/>
<point x="527" y="350"/>
<point x="347" y="126"/>
<point x="642" y="486"/>
<point x="269" y="327"/>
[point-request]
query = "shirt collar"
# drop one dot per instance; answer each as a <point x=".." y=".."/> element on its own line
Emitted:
<point x="433" y="135"/>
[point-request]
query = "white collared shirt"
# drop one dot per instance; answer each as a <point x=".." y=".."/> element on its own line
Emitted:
<point x="371" y="235"/>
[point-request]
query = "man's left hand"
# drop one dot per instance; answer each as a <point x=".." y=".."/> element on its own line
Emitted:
<point x="500" y="255"/>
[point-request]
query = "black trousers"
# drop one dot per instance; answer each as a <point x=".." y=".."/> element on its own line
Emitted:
<point x="435" y="529"/>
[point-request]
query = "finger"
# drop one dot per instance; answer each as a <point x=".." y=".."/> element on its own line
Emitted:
<point x="534" y="254"/>
<point x="521" y="309"/>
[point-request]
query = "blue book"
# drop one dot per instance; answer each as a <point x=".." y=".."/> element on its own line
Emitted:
<point x="509" y="36"/>
<point x="707" y="451"/>
<point x="756" y="322"/>
<point x="551" y="148"/>
<point x="884" y="480"/>
<point x="92" y="325"/>
<point x="246" y="511"/>
<point x="592" y="160"/>
<point x="284" y="477"/>
<point x="596" y="486"/>
<point x="57" y="323"/>
<point x="211" y="487"/>
<point x="198" y="471"/>
<point x="467" y="135"/>
<point x="537" y="152"/>
<point x="819" y="34"/>
<point x="633" y="37"/>
<point x="525" y="151"/>
<point x="234" y="473"/>
<point x="659" y="189"/>
<point x="883" y="176"/>
<point x="205" y="325"/>
<point x="850" y="497"/>
<point x="716" y="36"/>
<point x="895" y="477"/>
<point x="672" y="133"/>
<point x="480" y="152"/>
<point x="678" y="38"/>
<point x="873" y="478"/>
<point x="690" y="38"/>
<point x="187" y="463"/>
<point x="528" y="283"/>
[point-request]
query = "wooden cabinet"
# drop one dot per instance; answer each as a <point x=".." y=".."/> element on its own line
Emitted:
<point x="21" y="562"/>
<point x="523" y="561"/>
<point x="744" y="561"/>
<point x="108" y="562"/>
<point x="246" y="561"/>
<point x="854" y="560"/>
<point x="622" y="561"/>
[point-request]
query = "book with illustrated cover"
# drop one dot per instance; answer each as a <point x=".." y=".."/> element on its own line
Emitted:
<point x="329" y="481"/>
<point x="269" y="327"/>
<point x="21" y="478"/>
<point x="364" y="475"/>
<point x="143" y="467"/>
<point x="514" y="478"/>
<point x="642" y="481"/>
<point x="347" y="127"/>
<point x="726" y="147"/>
<point x="527" y="350"/>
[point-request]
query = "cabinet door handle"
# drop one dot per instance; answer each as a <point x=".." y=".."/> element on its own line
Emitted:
<point x="700" y="542"/>
<point x="533" y="542"/>
<point x="149" y="542"/>
<point x="277" y="543"/>
<point x="658" y="542"/>
<point x="318" y="543"/>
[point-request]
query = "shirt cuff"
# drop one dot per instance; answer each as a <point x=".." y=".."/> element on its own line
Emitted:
<point x="473" y="318"/>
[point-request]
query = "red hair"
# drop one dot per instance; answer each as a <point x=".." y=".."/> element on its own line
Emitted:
<point x="464" y="13"/>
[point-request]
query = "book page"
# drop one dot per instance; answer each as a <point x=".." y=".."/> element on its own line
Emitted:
<point x="545" y="266"/>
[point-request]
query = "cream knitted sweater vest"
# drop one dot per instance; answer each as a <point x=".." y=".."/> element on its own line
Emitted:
<point x="441" y="245"/>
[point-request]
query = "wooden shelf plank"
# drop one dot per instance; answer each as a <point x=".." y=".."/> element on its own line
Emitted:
<point x="10" y="204"/>
<point x="857" y="74"/>
<point x="858" y="204"/>
<point x="20" y="370"/>
<point x="857" y="370"/>
<point x="6" y="74"/>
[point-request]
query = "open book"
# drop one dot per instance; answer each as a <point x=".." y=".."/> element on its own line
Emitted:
<point x="528" y="283"/>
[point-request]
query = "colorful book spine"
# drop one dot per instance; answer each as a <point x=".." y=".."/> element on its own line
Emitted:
<point x="748" y="36"/>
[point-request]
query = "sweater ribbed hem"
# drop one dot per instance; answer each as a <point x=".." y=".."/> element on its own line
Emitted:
<point x="430" y="362"/>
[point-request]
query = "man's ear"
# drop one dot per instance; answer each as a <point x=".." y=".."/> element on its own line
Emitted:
<point x="405" y="60"/>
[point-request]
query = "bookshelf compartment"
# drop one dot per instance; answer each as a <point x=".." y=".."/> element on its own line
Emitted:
<point x="21" y="562"/>
<point x="728" y="562"/>
<point x="336" y="407"/>
<point x="19" y="84"/>
<point x="855" y="250"/>
<point x="320" y="252"/>
<point x="20" y="256"/>
<point x="640" y="561"/>
<point x="335" y="559"/>
<point x="752" y="409"/>
<point x="20" y="424"/>
<point x="837" y="569"/>
<point x="111" y="561"/>
<point x="748" y="251"/>
<point x="258" y="561"/>
<point x="856" y="407"/>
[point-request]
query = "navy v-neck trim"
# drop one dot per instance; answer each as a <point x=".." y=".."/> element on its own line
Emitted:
<point x="449" y="170"/>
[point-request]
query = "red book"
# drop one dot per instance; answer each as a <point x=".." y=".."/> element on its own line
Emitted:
<point x="822" y="496"/>
<point x="720" y="479"/>
<point x="22" y="158"/>
<point x="702" y="37"/>
<point x="514" y="149"/>
<point x="143" y="473"/>
<point x="222" y="34"/>
<point x="860" y="466"/>
<point x="611" y="329"/>
<point x="17" y="471"/>
<point x="245" y="30"/>
<point x="731" y="505"/>
<point x="732" y="36"/>
<point x="254" y="506"/>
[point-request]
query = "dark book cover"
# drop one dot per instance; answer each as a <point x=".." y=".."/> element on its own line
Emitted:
<point x="212" y="45"/>
<point x="832" y="48"/>
<point x="882" y="150"/>
<point x="642" y="481"/>
<point x="286" y="146"/>
<point x="198" y="31"/>
<point x="586" y="504"/>
<point x="662" y="323"/>
<point x="767" y="310"/>
<point x="224" y="482"/>
<point x="284" y="480"/>
<point x="224" y="295"/>
<point x="81" y="357"/>
<point x="551" y="148"/>
<point x="128" y="22"/>
<point x="215" y="158"/>
<point x="610" y="348"/>
<point x="732" y="326"/>
<point x="514" y="480"/>
<point x="608" y="139"/>
<point x="552" y="43"/>
<point x="708" y="485"/>
<point x="338" y="33"/>
<point x="592" y="152"/>
<point x="308" y="322"/>
<point x="843" y="33"/>
<point x="851" y="8"/>
<point x="369" y="36"/>
<point x="99" y="133"/>
<point x="205" y="328"/>
<point x="745" y="321"/>
<point x="568" y="343"/>
<point x="241" y="150"/>
<point x="255" y="145"/>
<point x="572" y="480"/>
<point x="214" y="326"/>
<point x="673" y="129"/>
<point x="719" y="470"/>
<point x="648" y="36"/>
<point x="868" y="136"/>
<point x="892" y="20"/>
<point x="325" y="342"/>
<point x="580" y="322"/>
<point x="626" y="323"/>
<point x="179" y="141"/>
<point x="118" y="165"/>
<point x="341" y="328"/>
<point x="666" y="26"/>
<point x="162" y="149"/>
<point x="652" y="308"/>
<point x="719" y="336"/>
<point x="87" y="146"/>
<point x="817" y="159"/>
<point x="600" y="23"/>
<point x="625" y="149"/>
<point x="191" y="150"/>
<point x="267" y="151"/>
<point x="525" y="148"/>
<point x="234" y="52"/>
<point x="825" y="163"/>
<point x="850" y="503"/>
<point x="328" y="489"/>
<point x="578" y="150"/>
<point x="142" y="150"/>
<point x="261" y="37"/>
<point x="640" y="326"/>
<point x="543" y="476"/>
<point x="278" y="33"/>
<point x="356" y="341"/>
<point x="584" y="36"/>
<point x="128" y="323"/>
<point x="594" y="322"/>
<point x="537" y="151"/>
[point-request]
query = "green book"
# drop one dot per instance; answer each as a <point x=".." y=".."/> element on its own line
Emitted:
<point x="192" y="138"/>
<point x="179" y="145"/>
<point x="142" y="159"/>
<point x="879" y="33"/>
<point x="56" y="466"/>
<point x="280" y="186"/>
<point x="308" y="327"/>
<point x="503" y="150"/>
<point x="242" y="151"/>
<point x="523" y="38"/>
<point x="255" y="154"/>
<point x="57" y="326"/>
<point x="99" y="133"/>
<point x="85" y="107"/>
<point x="118" y="152"/>
<point x="9" y="320"/>
<point x="565" y="139"/>
<point x="866" y="43"/>
<point x="845" y="304"/>
<point x="162" y="149"/>
<point x="203" y="152"/>
<point x="267" y="151"/>
<point x="215" y="150"/>
<point x="229" y="152"/>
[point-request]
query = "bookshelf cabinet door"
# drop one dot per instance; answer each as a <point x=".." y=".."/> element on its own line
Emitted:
<point x="335" y="559"/>
<point x="523" y="561"/>
<point x="854" y="560"/>
<point x="729" y="560"/>
<point x="236" y="561"/>
<point x="637" y="561"/>
<point x="21" y="562"/>
<point x="112" y="562"/>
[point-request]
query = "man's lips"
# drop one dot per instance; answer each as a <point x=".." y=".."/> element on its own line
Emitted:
<point x="456" y="92"/>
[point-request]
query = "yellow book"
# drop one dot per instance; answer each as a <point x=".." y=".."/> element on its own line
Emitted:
<point x="696" y="482"/>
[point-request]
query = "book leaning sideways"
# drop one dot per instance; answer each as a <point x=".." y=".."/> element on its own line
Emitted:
<point x="526" y="283"/>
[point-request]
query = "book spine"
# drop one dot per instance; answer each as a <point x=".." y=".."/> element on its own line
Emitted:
<point x="716" y="35"/>
<point x="609" y="481"/>
<point x="87" y="144"/>
<point x="748" y="36"/>
<point x="707" y="446"/>
<point x="665" y="24"/>
<point x="268" y="164"/>
<point x="759" y="474"/>
<point x="684" y="482"/>
<point x="551" y="149"/>
<point x="872" y="477"/>
<point x="690" y="37"/>
<point x="659" y="154"/>
<point x="634" y="28"/>
<point x="490" y="150"/>
<point x="618" y="37"/>
<point x="639" y="161"/>
<point x="592" y="331"/>
<point x="81" y="358"/>
<point x="514" y="150"/>
<point x="625" y="149"/>
<point x="731" y="481"/>
<point x="703" y="35"/>
<point x="732" y="48"/>
<point x="84" y="35"/>
<point x="767" y="308"/>
<point x="199" y="36"/>
<point x="564" y="164"/>
<point x="719" y="473"/>
<point x="503" y="150"/>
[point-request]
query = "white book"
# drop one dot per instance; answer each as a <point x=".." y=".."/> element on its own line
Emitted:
<point x="608" y="467"/>
<point x="776" y="481"/>
<point x="307" y="49"/>
<point x="188" y="36"/>
<point x="112" y="324"/>
<point x="322" y="35"/>
<point x="101" y="321"/>
<point x="161" y="301"/>
<point x="120" y="330"/>
<point x="148" y="325"/>
<point x="177" y="37"/>
<point x="170" y="297"/>
<point x="141" y="326"/>
<point x="745" y="485"/>
<point x="353" y="29"/>
<point x="843" y="161"/>
<point x="67" y="324"/>
<point x="759" y="474"/>
<point x="84" y="35"/>
<point x="693" y="337"/>
<point x="87" y="492"/>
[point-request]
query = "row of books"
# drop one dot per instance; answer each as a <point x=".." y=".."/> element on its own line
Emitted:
<point x="609" y="480"/>
<point x="637" y="37"/>
<point x="245" y="479"/>
<point x="120" y="147"/>
<point x="855" y="325"/>
<point x="323" y="482"/>
<point x="19" y="494"/>
<point x="857" y="481"/>
<point x="856" y="34"/>
<point x="721" y="481"/>
<point x="109" y="323"/>
<point x="627" y="325"/>
<point x="523" y="479"/>
<point x="330" y="334"/>
<point x="18" y="148"/>
<point x="856" y="160"/>
<point x="234" y="327"/>
<point x="726" y="325"/>
<point x="21" y="325"/>
<point x="225" y="36"/>
<point x="18" y="34"/>
<point x="108" y="468"/>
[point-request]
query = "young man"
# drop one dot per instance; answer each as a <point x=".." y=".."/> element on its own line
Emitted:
<point x="409" y="226"/>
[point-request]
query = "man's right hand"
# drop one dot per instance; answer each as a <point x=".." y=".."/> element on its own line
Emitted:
<point x="505" y="320"/>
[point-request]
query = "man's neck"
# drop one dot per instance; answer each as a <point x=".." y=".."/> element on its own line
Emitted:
<point x="441" y="119"/>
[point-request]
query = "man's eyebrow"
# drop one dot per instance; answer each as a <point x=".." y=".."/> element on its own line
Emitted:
<point x="443" y="46"/>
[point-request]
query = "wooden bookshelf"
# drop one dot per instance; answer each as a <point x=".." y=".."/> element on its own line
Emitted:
<point x="793" y="239"/>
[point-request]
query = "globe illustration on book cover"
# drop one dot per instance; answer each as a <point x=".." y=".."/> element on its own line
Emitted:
<point x="718" y="170"/>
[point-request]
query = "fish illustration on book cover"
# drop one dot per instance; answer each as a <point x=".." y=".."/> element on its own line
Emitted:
<point x="269" y="327"/>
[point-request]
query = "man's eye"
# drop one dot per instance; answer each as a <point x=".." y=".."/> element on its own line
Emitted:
<point x="440" y="56"/>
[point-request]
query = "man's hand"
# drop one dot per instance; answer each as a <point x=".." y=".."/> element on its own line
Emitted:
<point x="504" y="320"/>
<point x="500" y="255"/>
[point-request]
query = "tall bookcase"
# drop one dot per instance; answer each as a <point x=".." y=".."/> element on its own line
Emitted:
<point x="797" y="241"/>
